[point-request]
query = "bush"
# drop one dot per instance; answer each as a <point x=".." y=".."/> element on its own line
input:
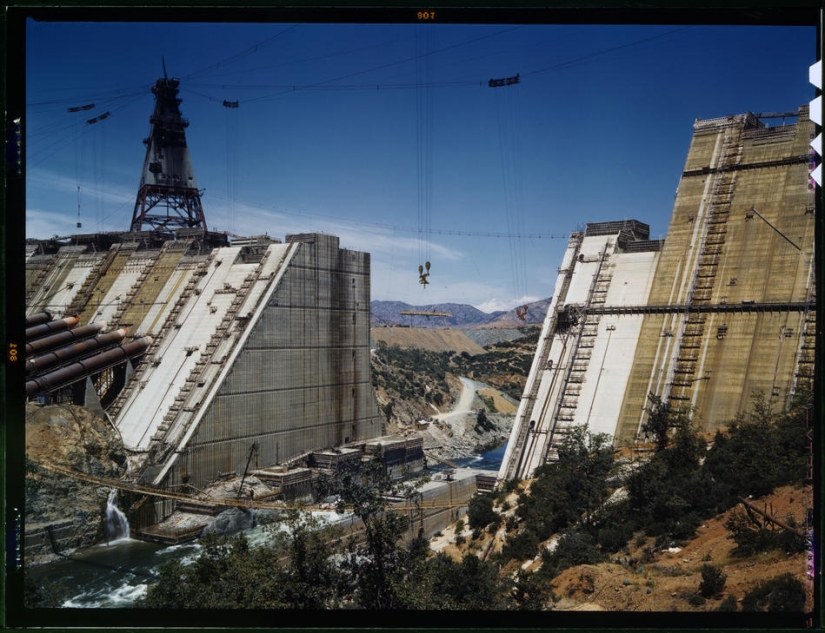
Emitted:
<point x="752" y="539"/>
<point x="729" y="604"/>
<point x="614" y="537"/>
<point x="521" y="546"/>
<point x="696" y="600"/>
<point x="573" y="548"/>
<point x="480" y="512"/>
<point x="783" y="593"/>
<point x="713" y="581"/>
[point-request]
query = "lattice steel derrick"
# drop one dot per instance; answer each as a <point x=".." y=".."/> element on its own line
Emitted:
<point x="168" y="197"/>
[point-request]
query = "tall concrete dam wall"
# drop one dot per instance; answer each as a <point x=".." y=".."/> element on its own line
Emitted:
<point x="722" y="309"/>
<point x="258" y="352"/>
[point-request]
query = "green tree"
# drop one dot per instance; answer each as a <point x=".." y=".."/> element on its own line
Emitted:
<point x="573" y="548"/>
<point x="760" y="451"/>
<point x="662" y="420"/>
<point x="531" y="591"/>
<point x="379" y="568"/>
<point x="470" y="584"/>
<point x="295" y="571"/>
<point x="480" y="512"/>
<point x="565" y="491"/>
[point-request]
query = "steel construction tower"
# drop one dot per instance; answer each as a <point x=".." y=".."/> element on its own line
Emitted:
<point x="168" y="197"/>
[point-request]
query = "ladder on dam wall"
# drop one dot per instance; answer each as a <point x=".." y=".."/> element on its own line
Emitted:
<point x="530" y="399"/>
<point x="149" y="358"/>
<point x="806" y="354"/>
<point x="146" y="269"/>
<point x="711" y="248"/>
<point x="36" y="283"/>
<point x="158" y="448"/>
<point x="580" y="355"/>
<point x="87" y="288"/>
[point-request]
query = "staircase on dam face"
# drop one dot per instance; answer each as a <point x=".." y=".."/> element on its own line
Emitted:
<point x="580" y="355"/>
<point x="207" y="357"/>
<point x="87" y="288"/>
<point x="129" y="298"/>
<point x="150" y="358"/>
<point x="36" y="283"/>
<point x="803" y="378"/>
<point x="544" y="356"/>
<point x="704" y="278"/>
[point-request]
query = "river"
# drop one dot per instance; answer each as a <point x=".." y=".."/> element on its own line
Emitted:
<point x="115" y="575"/>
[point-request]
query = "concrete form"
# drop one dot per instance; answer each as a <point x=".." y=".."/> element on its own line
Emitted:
<point x="724" y="308"/>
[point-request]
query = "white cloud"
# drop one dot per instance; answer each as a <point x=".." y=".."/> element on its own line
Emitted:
<point x="46" y="224"/>
<point x="55" y="182"/>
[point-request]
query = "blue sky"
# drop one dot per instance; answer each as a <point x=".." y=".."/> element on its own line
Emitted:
<point x="389" y="137"/>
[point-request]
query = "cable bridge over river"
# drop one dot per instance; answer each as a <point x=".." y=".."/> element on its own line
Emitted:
<point x="235" y="502"/>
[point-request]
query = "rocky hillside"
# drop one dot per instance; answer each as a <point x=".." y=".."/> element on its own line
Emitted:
<point x="64" y="514"/>
<point x="534" y="315"/>
<point x="462" y="315"/>
<point x="414" y="385"/>
<point x="648" y="578"/>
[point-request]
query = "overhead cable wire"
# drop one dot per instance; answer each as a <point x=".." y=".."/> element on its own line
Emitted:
<point x="342" y="87"/>
<point x="244" y="53"/>
<point x="322" y="85"/>
<point x="589" y="56"/>
<point x="35" y="157"/>
<point x="415" y="229"/>
<point x="509" y="126"/>
<point x="335" y="54"/>
<point x="389" y="64"/>
<point x="96" y="98"/>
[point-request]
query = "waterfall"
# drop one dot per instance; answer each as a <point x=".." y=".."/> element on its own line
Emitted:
<point x="117" y="525"/>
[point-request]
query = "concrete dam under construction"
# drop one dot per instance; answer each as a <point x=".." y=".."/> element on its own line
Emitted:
<point x="201" y="352"/>
<point x="721" y="309"/>
<point x="212" y="355"/>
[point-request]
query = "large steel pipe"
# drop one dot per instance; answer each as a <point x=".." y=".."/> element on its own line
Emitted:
<point x="64" y="338"/>
<point x="77" y="350"/>
<point x="38" y="317"/>
<point x="44" y="329"/>
<point x="82" y="368"/>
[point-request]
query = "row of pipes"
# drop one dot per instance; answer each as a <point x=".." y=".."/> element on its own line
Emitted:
<point x="67" y="354"/>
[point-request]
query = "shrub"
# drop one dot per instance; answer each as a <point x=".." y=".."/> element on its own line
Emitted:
<point x="783" y="593"/>
<point x="614" y="537"/>
<point x="713" y="581"/>
<point x="573" y="548"/>
<point x="729" y="604"/>
<point x="751" y="539"/>
<point x="696" y="600"/>
<point x="520" y="546"/>
<point x="480" y="512"/>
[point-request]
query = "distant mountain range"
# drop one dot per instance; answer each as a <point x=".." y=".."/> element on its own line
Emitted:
<point x="462" y="315"/>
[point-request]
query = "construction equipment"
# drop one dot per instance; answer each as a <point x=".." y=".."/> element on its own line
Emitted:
<point x="422" y="276"/>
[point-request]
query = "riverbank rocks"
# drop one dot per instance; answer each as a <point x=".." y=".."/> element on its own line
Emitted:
<point x="64" y="514"/>
<point x="230" y="521"/>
